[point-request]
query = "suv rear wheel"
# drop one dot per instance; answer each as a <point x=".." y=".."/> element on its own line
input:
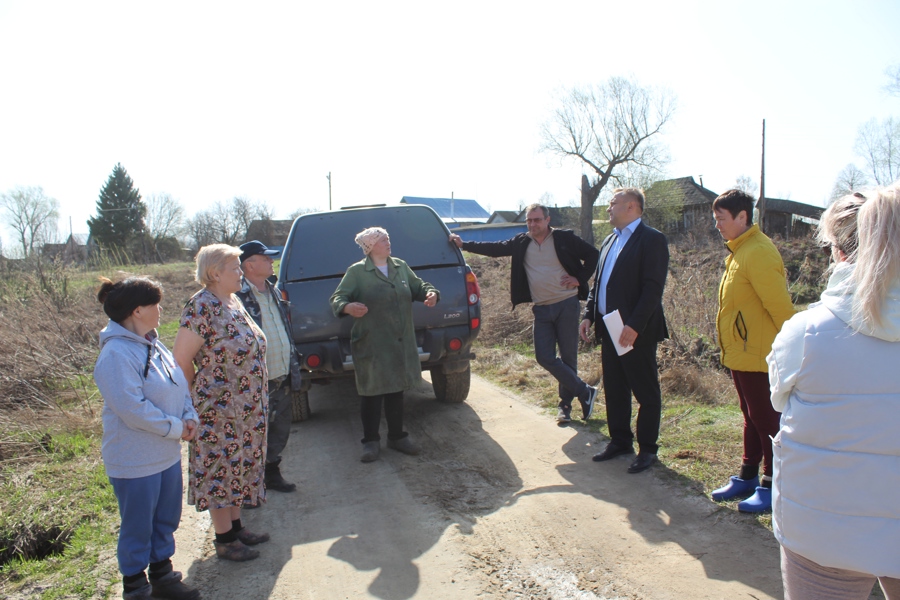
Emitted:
<point x="300" y="405"/>
<point x="451" y="388"/>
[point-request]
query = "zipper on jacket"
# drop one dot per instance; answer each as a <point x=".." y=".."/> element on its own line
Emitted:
<point x="741" y="328"/>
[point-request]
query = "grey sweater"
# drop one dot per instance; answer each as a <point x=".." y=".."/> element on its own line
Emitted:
<point x="142" y="416"/>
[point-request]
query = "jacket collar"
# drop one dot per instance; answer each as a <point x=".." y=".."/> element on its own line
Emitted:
<point x="839" y="297"/>
<point x="739" y="241"/>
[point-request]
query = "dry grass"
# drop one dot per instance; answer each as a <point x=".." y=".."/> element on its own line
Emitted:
<point x="57" y="512"/>
<point x="700" y="433"/>
<point x="49" y="407"/>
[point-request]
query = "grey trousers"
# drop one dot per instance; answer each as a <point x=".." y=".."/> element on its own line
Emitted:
<point x="280" y="398"/>
<point x="806" y="580"/>
<point x="556" y="326"/>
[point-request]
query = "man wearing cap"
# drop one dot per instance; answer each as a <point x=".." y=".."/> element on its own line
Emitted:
<point x="270" y="312"/>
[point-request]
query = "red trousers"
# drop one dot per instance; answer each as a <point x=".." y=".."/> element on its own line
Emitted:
<point x="761" y="421"/>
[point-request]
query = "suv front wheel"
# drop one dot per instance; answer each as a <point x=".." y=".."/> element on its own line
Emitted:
<point x="451" y="388"/>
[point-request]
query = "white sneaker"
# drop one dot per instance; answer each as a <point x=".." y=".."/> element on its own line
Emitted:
<point x="563" y="416"/>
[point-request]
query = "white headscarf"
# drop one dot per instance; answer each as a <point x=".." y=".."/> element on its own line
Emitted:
<point x="367" y="238"/>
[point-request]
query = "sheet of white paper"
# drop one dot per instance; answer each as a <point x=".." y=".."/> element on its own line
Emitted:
<point x="614" y="326"/>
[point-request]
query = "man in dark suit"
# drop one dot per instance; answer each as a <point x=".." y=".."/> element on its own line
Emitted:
<point x="630" y="278"/>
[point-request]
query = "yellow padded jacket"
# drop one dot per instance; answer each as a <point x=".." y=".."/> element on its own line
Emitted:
<point x="753" y="301"/>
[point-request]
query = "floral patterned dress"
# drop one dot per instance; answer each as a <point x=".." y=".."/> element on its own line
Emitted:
<point x="227" y="456"/>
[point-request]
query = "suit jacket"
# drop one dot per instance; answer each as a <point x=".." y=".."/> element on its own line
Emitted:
<point x="635" y="286"/>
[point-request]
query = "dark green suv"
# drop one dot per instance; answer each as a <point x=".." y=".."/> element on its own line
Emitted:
<point x="318" y="251"/>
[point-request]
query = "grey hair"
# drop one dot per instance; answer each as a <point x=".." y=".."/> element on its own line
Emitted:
<point x="537" y="206"/>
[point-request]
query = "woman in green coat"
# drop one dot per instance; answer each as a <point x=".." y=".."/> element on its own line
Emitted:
<point x="378" y="293"/>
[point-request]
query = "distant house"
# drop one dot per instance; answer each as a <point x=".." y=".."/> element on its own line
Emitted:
<point x="695" y="200"/>
<point x="73" y="250"/>
<point x="503" y="216"/>
<point x="490" y="232"/>
<point x="454" y="212"/>
<point x="272" y="233"/>
<point x="567" y="217"/>
<point x="790" y="219"/>
<point x="511" y="223"/>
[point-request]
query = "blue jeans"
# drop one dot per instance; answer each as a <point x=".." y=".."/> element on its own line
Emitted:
<point x="556" y="325"/>
<point x="150" y="510"/>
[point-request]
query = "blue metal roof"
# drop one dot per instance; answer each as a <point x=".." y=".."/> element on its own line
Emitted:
<point x="450" y="208"/>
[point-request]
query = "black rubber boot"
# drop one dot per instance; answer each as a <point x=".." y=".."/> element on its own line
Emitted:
<point x="274" y="480"/>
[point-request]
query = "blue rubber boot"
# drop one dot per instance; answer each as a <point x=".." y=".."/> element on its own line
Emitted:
<point x="760" y="501"/>
<point x="735" y="488"/>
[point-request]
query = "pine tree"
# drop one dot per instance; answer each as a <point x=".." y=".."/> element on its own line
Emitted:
<point x="120" y="212"/>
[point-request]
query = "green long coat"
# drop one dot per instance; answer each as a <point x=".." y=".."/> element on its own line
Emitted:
<point x="383" y="341"/>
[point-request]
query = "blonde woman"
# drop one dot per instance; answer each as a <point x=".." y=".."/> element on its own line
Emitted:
<point x="833" y="374"/>
<point x="222" y="353"/>
<point x="378" y="293"/>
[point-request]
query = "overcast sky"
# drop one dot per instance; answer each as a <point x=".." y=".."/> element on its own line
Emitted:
<point x="211" y="100"/>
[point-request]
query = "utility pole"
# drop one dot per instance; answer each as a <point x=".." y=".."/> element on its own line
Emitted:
<point x="762" y="182"/>
<point x="329" y="189"/>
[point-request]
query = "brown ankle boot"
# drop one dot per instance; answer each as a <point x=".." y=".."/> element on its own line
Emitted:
<point x="235" y="551"/>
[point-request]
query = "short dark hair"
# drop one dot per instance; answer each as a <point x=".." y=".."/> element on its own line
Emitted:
<point x="634" y="192"/>
<point x="537" y="206"/>
<point x="735" y="201"/>
<point x="120" y="299"/>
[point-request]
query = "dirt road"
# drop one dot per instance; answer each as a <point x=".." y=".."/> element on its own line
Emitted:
<point x="503" y="503"/>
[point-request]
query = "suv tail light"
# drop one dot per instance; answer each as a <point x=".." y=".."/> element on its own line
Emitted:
<point x="473" y="291"/>
<point x="313" y="361"/>
<point x="455" y="344"/>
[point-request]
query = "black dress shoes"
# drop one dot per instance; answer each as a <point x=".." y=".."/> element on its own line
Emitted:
<point x="612" y="451"/>
<point x="643" y="462"/>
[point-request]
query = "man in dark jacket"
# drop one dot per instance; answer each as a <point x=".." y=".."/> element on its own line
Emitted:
<point x="270" y="312"/>
<point x="630" y="278"/>
<point x="551" y="268"/>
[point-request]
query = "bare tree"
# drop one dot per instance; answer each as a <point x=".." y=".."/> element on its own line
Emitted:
<point x="202" y="229"/>
<point x="226" y="223"/>
<point x="746" y="184"/>
<point x="301" y="211"/>
<point x="850" y="179"/>
<point x="610" y="128"/>
<point x="878" y="144"/>
<point x="893" y="85"/>
<point x="32" y="215"/>
<point x="165" y="216"/>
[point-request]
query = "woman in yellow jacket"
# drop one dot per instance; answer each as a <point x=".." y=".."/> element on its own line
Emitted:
<point x="753" y="304"/>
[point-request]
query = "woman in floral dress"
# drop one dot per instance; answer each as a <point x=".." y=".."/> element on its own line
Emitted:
<point x="222" y="353"/>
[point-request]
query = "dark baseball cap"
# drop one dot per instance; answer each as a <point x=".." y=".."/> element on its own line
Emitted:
<point x="255" y="247"/>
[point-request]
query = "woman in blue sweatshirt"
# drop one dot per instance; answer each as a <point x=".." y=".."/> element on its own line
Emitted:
<point x="147" y="411"/>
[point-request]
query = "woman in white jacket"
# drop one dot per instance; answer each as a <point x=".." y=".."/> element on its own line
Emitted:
<point x="833" y="372"/>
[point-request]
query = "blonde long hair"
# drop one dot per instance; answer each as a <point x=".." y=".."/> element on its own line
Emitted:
<point x="878" y="255"/>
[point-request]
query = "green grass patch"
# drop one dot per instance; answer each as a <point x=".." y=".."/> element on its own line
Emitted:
<point x="167" y="332"/>
<point x="58" y="521"/>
